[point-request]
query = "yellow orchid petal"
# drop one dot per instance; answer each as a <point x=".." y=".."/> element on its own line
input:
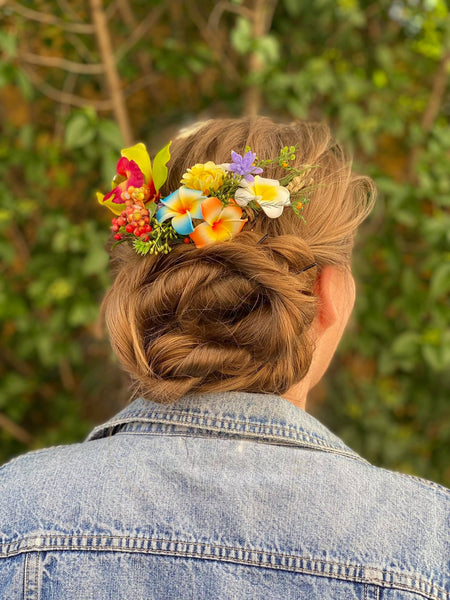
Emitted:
<point x="113" y="207"/>
<point x="139" y="154"/>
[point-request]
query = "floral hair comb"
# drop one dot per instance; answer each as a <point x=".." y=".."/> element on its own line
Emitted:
<point x="211" y="205"/>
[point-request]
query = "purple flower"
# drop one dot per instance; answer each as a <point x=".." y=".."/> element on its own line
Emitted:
<point x="243" y="165"/>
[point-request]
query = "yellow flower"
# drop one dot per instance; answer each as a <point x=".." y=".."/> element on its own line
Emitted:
<point x="204" y="177"/>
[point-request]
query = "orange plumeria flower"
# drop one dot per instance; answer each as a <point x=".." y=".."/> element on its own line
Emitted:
<point x="221" y="223"/>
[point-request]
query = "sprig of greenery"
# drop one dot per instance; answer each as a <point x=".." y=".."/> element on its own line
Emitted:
<point x="227" y="190"/>
<point x="293" y="172"/>
<point x="161" y="236"/>
<point x="285" y="156"/>
<point x="299" y="204"/>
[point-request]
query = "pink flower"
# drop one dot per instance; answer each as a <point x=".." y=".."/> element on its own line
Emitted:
<point x="128" y="174"/>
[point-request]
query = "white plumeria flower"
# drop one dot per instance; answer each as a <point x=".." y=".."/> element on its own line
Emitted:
<point x="268" y="193"/>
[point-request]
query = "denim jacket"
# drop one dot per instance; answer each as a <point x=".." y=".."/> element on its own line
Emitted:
<point x="221" y="496"/>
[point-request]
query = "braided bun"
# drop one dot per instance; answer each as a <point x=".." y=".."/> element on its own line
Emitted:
<point x="235" y="315"/>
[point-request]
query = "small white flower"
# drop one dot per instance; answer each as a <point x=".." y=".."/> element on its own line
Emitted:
<point x="268" y="193"/>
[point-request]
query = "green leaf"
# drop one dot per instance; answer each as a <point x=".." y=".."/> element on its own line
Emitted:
<point x="440" y="281"/>
<point x="268" y="48"/>
<point x="406" y="344"/>
<point x="241" y="36"/>
<point x="293" y="7"/>
<point x="159" y="167"/>
<point x="109" y="133"/>
<point x="142" y="247"/>
<point x="95" y="262"/>
<point x="24" y="84"/>
<point x="8" y="44"/>
<point x="79" y="132"/>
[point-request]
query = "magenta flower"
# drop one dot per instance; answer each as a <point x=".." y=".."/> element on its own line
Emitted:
<point x="128" y="173"/>
<point x="243" y="165"/>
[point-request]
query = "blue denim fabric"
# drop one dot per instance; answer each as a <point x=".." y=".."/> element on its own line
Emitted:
<point x="218" y="497"/>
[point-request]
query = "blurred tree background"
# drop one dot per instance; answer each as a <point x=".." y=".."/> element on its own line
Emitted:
<point x="78" y="80"/>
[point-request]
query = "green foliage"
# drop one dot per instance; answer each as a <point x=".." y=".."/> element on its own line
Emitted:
<point x="93" y="137"/>
<point x="374" y="71"/>
<point x="54" y="271"/>
<point x="161" y="242"/>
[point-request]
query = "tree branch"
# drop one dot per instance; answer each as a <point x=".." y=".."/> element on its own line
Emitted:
<point x="62" y="63"/>
<point x="431" y="111"/>
<point x="139" y="30"/>
<point x="15" y="362"/>
<point x="19" y="241"/>
<point x="111" y="9"/>
<point x="262" y="15"/>
<point x="14" y="430"/>
<point x="64" y="109"/>
<point x="80" y="47"/>
<point x="437" y="94"/>
<point x="140" y="84"/>
<point x="112" y="76"/>
<point x="63" y="97"/>
<point x="66" y="374"/>
<point x="67" y="8"/>
<point x="213" y="40"/>
<point x="48" y="19"/>
<point x="222" y="7"/>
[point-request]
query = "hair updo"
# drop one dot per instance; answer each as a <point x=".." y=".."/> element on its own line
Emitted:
<point x="236" y="315"/>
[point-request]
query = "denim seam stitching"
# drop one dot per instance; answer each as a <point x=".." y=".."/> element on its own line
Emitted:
<point x="187" y="419"/>
<point x="46" y="545"/>
<point x="289" y="431"/>
<point x="255" y="438"/>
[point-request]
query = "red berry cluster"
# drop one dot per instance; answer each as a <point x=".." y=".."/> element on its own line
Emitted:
<point x="135" y="219"/>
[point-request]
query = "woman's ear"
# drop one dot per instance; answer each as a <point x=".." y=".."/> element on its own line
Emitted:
<point x="335" y="290"/>
<point x="324" y="289"/>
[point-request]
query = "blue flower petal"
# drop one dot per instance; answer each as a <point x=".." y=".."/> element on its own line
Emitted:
<point x="164" y="213"/>
<point x="183" y="224"/>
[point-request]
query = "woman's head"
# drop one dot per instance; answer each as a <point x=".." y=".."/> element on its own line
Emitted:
<point x="237" y="315"/>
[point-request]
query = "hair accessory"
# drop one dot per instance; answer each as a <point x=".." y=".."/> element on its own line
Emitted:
<point x="212" y="204"/>
<point x="305" y="269"/>
<point x="263" y="239"/>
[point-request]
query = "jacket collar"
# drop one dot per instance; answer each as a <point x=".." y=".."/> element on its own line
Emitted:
<point x="261" y="417"/>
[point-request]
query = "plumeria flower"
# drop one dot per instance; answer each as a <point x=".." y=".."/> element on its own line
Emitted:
<point x="268" y="193"/>
<point x="243" y="165"/>
<point x="221" y="223"/>
<point x="181" y="206"/>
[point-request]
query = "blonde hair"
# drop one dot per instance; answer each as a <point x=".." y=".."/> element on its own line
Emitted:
<point x="236" y="315"/>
